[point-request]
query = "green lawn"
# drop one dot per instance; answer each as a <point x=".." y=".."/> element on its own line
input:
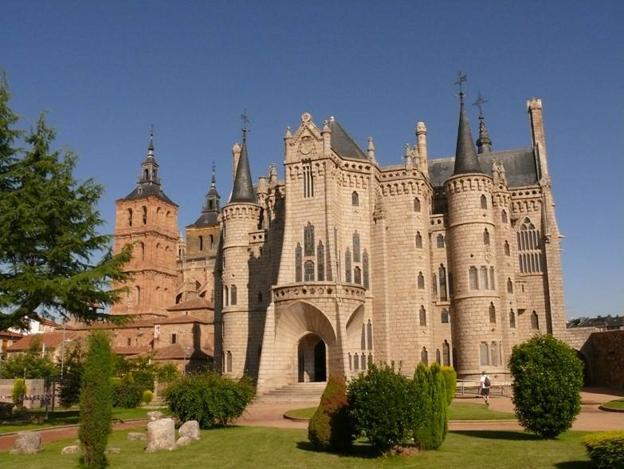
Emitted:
<point x="617" y="404"/>
<point x="70" y="417"/>
<point x="457" y="411"/>
<point x="238" y="447"/>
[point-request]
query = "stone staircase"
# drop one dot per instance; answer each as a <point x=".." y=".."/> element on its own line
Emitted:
<point x="299" y="392"/>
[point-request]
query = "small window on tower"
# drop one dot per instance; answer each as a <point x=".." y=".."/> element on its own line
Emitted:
<point x="416" y="204"/>
<point x="144" y="208"/>
<point x="486" y="237"/>
<point x="421" y="281"/>
<point x="418" y="240"/>
<point x="504" y="216"/>
<point x="129" y="217"/>
<point x="201" y="243"/>
<point x="174" y="338"/>
<point x="355" y="199"/>
<point x="440" y="241"/>
<point x="483" y="202"/>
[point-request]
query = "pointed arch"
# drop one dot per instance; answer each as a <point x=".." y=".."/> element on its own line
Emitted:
<point x="320" y="261"/>
<point x="422" y="316"/>
<point x="484" y="204"/>
<point x="419" y="243"/>
<point x="446" y="354"/>
<point x="512" y="319"/>
<point x="424" y="356"/>
<point x="308" y="271"/>
<point x="356" y="247"/>
<point x="298" y="263"/>
<point x="473" y="275"/>
<point x="308" y="239"/>
<point x="534" y="321"/>
<point x="355" y="199"/>
<point x="421" y="281"/>
<point x="486" y="237"/>
<point x="492" y="311"/>
<point x="416" y="204"/>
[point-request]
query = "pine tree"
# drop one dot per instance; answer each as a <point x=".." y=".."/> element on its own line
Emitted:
<point x="50" y="251"/>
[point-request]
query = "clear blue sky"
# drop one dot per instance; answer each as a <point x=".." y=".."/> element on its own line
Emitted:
<point x="105" y="71"/>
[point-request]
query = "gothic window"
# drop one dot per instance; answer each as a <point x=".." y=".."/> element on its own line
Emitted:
<point x="444" y="317"/>
<point x="473" y="274"/>
<point x="144" y="209"/>
<point x="418" y="240"/>
<point x="174" y="338"/>
<point x="507" y="248"/>
<point x="483" y="202"/>
<point x="328" y="263"/>
<point x="494" y="353"/>
<point x="233" y="293"/>
<point x="363" y="338"/>
<point x="434" y="286"/>
<point x="356" y="361"/>
<point x="356" y="247"/>
<point x="320" y="261"/>
<point x="512" y="319"/>
<point x="350" y="361"/>
<point x="416" y="204"/>
<point x="355" y="199"/>
<point x="308" y="181"/>
<point x="308" y="271"/>
<point x="129" y="217"/>
<point x="422" y="316"/>
<point x="509" y="285"/>
<point x="504" y="216"/>
<point x="440" y="241"/>
<point x="348" y="266"/>
<point x="534" y="321"/>
<point x="446" y="354"/>
<point x="492" y="313"/>
<point x="228" y="362"/>
<point x="363" y="361"/>
<point x="529" y="248"/>
<point x="421" y="281"/>
<point x="298" y="263"/>
<point x="201" y="243"/>
<point x="492" y="279"/>
<point x="484" y="278"/>
<point x="438" y="356"/>
<point x="484" y="353"/>
<point x="357" y="275"/>
<point x="442" y="278"/>
<point x="369" y="333"/>
<point x="226" y="295"/>
<point x="424" y="356"/>
<point x="365" y="268"/>
<point x="308" y="240"/>
<point x="486" y="237"/>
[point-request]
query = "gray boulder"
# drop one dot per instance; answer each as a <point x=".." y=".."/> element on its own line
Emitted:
<point x="27" y="443"/>
<point x="73" y="449"/>
<point x="155" y="415"/>
<point x="184" y="441"/>
<point x="190" y="429"/>
<point x="136" y="436"/>
<point x="161" y="435"/>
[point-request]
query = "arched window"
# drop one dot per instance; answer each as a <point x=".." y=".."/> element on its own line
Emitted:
<point x="424" y="356"/>
<point x="421" y="281"/>
<point x="418" y="240"/>
<point x="369" y="333"/>
<point x="320" y="261"/>
<point x="308" y="240"/>
<point x="512" y="319"/>
<point x="473" y="275"/>
<point x="129" y="217"/>
<point x="137" y="291"/>
<point x="355" y="199"/>
<point x="504" y="216"/>
<point x="363" y="338"/>
<point x="356" y="247"/>
<point x="492" y="279"/>
<point x="492" y="313"/>
<point x="422" y="316"/>
<point x="142" y="250"/>
<point x="442" y="278"/>
<point x="486" y="237"/>
<point x="350" y="361"/>
<point x="144" y="210"/>
<point x="438" y="357"/>
<point x="446" y="354"/>
<point x="434" y="286"/>
<point x="308" y="179"/>
<point x="529" y="248"/>
<point x="298" y="263"/>
<point x="494" y="353"/>
<point x="211" y="241"/>
<point x="363" y="361"/>
<point x="146" y="174"/>
<point x="534" y="321"/>
<point x="483" y="202"/>
<point x="228" y="362"/>
<point x="233" y="294"/>
<point x="484" y="278"/>
<point x="356" y="361"/>
<point x="348" y="266"/>
<point x="444" y="316"/>
<point x="365" y="268"/>
<point x="484" y="353"/>
<point x="507" y="248"/>
<point x="440" y="240"/>
<point x="308" y="271"/>
<point x="509" y="285"/>
<point x="357" y="275"/>
<point x="201" y="243"/>
<point x="416" y="204"/>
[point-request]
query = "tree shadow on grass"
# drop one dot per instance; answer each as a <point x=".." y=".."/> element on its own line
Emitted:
<point x="498" y="435"/>
<point x="363" y="451"/>
<point x="574" y="465"/>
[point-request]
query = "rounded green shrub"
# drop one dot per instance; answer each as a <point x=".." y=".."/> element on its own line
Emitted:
<point x="331" y="426"/>
<point x="127" y="395"/>
<point x="547" y="380"/>
<point x="211" y="399"/>
<point x="606" y="449"/>
<point x="144" y="378"/>
<point x="381" y="403"/>
<point x="147" y="397"/>
<point x="450" y="378"/>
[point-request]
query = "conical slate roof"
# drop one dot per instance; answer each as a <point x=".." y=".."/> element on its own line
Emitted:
<point x="466" y="160"/>
<point x="243" y="190"/>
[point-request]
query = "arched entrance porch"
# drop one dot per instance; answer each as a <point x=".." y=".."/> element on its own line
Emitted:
<point x="311" y="359"/>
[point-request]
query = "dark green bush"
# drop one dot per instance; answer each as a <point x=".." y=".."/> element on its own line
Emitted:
<point x="450" y="378"/>
<point x="606" y="449"/>
<point x="144" y="379"/>
<point x="69" y="393"/>
<point x="211" y="399"/>
<point x="422" y="426"/>
<point x="127" y="395"/>
<point x="96" y="401"/>
<point x="381" y="403"/>
<point x="548" y="378"/>
<point x="18" y="392"/>
<point x="439" y="402"/>
<point x="331" y="426"/>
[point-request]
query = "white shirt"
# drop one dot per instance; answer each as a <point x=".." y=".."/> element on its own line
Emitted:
<point x="483" y="381"/>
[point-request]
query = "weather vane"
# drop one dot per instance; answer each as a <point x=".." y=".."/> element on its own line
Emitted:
<point x="461" y="79"/>
<point x="245" y="123"/>
<point x="479" y="103"/>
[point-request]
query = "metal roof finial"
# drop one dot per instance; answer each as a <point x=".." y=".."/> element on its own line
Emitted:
<point x="461" y="79"/>
<point x="245" y="124"/>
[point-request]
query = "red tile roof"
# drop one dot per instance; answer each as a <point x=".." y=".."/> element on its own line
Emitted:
<point x="177" y="352"/>
<point x="182" y="320"/>
<point x="51" y="340"/>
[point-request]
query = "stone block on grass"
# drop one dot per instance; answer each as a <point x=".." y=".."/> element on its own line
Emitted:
<point x="72" y="449"/>
<point x="27" y="443"/>
<point x="190" y="429"/>
<point x="161" y="435"/>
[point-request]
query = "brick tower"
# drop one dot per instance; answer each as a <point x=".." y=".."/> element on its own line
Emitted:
<point x="147" y="219"/>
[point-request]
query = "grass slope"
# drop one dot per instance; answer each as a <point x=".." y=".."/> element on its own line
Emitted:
<point x="237" y="447"/>
<point x="617" y="404"/>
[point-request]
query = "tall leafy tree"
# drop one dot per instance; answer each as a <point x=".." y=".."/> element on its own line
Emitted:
<point x="52" y="258"/>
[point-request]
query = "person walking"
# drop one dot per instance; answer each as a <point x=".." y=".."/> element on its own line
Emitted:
<point x="485" y="384"/>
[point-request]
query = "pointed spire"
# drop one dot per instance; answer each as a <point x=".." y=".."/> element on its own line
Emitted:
<point x="149" y="166"/>
<point x="466" y="160"/>
<point x="243" y="190"/>
<point x="213" y="179"/>
<point x="370" y="150"/>
<point x="150" y="145"/>
<point x="484" y="144"/>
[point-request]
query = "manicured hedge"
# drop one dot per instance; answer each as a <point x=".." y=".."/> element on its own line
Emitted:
<point x="331" y="427"/>
<point x="606" y="449"/>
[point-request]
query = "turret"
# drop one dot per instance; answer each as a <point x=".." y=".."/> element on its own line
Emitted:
<point x="534" y="106"/>
<point x="421" y="139"/>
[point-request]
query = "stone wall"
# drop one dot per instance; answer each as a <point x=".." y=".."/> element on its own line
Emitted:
<point x="605" y="352"/>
